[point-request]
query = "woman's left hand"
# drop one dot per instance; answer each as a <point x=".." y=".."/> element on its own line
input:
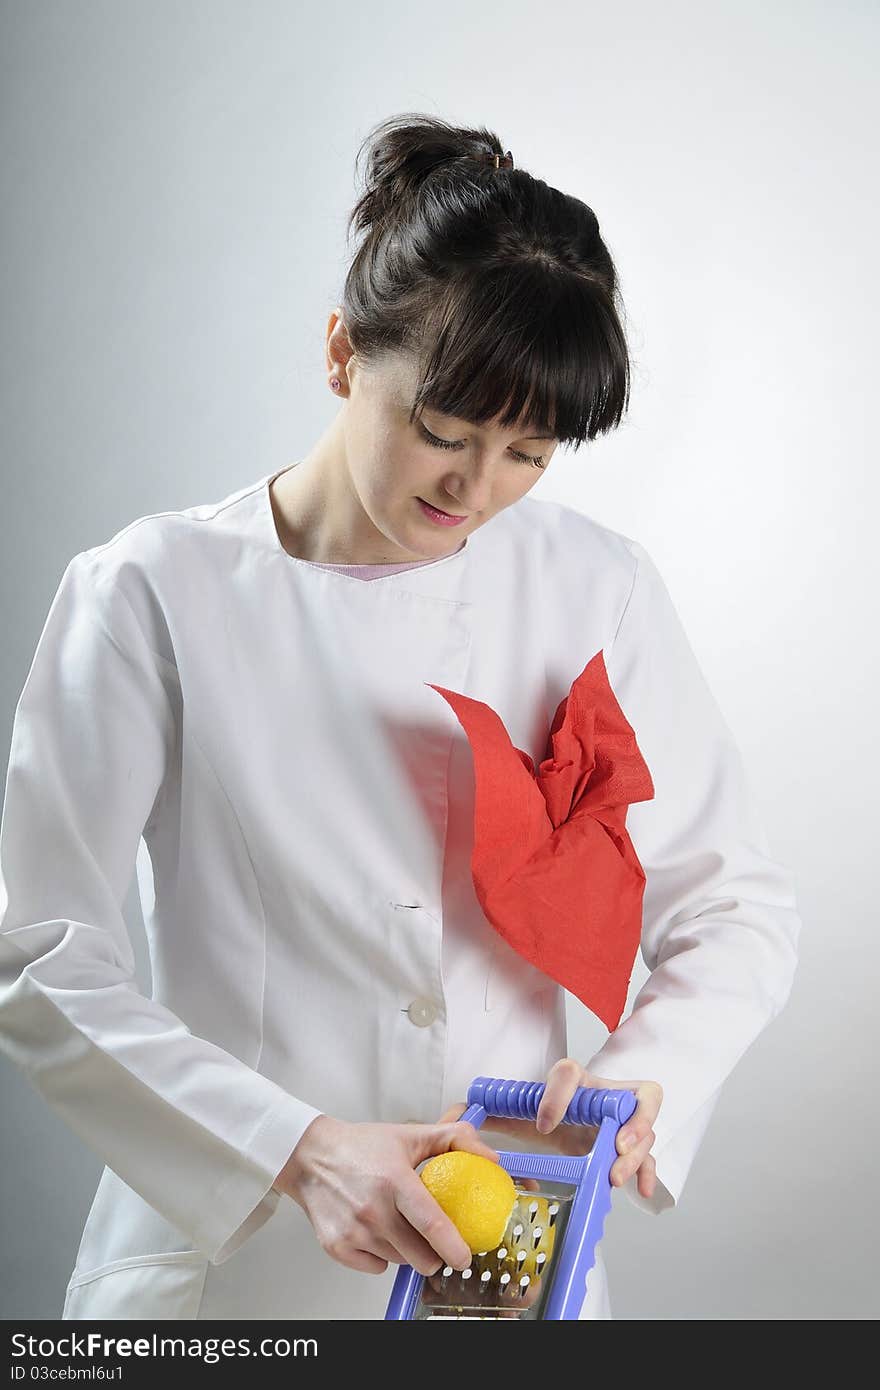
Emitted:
<point x="634" y="1139"/>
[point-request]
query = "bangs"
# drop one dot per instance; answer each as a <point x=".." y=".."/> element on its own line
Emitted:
<point x="524" y="346"/>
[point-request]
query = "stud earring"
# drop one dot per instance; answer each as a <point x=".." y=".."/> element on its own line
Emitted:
<point x="335" y="383"/>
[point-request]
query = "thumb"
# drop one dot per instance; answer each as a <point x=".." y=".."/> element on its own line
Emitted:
<point x="454" y="1112"/>
<point x="426" y="1141"/>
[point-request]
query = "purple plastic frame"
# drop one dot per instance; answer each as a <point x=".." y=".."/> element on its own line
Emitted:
<point x="590" y="1174"/>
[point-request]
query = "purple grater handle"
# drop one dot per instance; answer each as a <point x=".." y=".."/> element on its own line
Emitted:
<point x="519" y="1100"/>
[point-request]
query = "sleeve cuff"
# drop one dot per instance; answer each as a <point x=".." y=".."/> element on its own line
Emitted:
<point x="246" y="1201"/>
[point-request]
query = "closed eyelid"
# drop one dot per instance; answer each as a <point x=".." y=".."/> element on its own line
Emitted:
<point x="437" y="442"/>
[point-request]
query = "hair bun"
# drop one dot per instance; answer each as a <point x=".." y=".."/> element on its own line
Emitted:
<point x="500" y="161"/>
<point x="403" y="152"/>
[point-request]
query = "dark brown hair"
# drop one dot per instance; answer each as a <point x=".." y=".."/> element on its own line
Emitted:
<point x="499" y="283"/>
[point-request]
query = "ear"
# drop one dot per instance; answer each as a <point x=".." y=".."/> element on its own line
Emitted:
<point x="338" y="349"/>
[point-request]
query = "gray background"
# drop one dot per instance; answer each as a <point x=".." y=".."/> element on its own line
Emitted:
<point x="175" y="179"/>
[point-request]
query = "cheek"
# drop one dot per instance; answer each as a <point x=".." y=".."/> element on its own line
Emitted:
<point x="402" y="470"/>
<point x="381" y="468"/>
<point x="409" y="469"/>
<point x="523" y="479"/>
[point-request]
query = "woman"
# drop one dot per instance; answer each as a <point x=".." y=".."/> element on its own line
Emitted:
<point x="249" y="686"/>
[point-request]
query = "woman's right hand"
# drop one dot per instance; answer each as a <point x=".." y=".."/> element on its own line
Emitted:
<point x="357" y="1184"/>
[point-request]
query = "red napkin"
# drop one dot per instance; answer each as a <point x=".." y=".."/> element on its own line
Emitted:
<point x="554" y="869"/>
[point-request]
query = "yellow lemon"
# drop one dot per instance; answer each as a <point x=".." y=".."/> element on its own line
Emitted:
<point x="477" y="1194"/>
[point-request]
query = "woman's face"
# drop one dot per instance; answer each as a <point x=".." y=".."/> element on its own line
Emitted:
<point x="459" y="468"/>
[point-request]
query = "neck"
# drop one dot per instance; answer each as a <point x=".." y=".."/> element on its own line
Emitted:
<point x="318" y="515"/>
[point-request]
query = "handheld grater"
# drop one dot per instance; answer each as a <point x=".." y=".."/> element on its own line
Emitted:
<point x="539" y="1271"/>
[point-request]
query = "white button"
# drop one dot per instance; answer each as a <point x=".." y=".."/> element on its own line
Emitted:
<point x="422" y="1012"/>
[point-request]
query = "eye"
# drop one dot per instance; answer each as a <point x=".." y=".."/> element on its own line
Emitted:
<point x="439" y="443"/>
<point x="535" y="461"/>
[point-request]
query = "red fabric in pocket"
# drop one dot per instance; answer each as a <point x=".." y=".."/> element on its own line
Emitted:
<point x="553" y="866"/>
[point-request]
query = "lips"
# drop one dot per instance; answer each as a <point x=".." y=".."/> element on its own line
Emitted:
<point x="457" y="516"/>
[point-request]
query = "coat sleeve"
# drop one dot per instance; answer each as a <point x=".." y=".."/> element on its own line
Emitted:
<point x="200" y="1135"/>
<point x="720" y="925"/>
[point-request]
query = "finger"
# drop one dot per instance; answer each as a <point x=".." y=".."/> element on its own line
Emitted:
<point x="364" y="1249"/>
<point x="647" y="1178"/>
<point x="412" y="1249"/>
<point x="399" y="1244"/>
<point x="563" y="1079"/>
<point x="623" y="1168"/>
<point x="649" y="1098"/>
<point x="366" y="1240"/>
<point x="427" y="1217"/>
<point x="361" y="1260"/>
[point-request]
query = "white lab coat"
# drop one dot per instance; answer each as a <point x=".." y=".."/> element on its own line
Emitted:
<point x="306" y="799"/>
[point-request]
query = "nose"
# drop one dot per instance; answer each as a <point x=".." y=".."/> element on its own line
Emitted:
<point x="469" y="492"/>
